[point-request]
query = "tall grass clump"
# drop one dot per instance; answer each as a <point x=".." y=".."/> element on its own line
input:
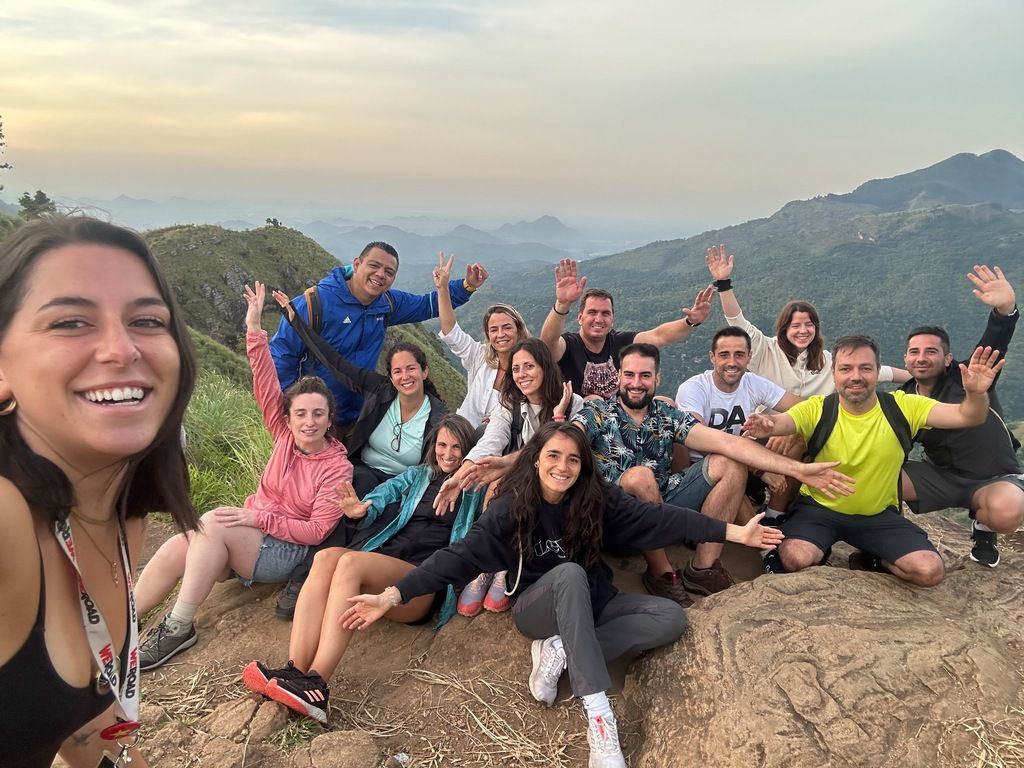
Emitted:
<point x="227" y="443"/>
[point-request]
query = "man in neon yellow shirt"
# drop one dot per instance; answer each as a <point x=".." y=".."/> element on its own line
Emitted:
<point x="869" y="451"/>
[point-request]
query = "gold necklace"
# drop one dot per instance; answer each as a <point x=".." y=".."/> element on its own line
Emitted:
<point x="113" y="563"/>
<point x="94" y="520"/>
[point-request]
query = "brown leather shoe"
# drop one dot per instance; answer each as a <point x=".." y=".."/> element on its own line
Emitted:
<point x="707" y="581"/>
<point x="668" y="585"/>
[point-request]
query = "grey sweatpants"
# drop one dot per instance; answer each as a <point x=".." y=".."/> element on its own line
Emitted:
<point x="559" y="604"/>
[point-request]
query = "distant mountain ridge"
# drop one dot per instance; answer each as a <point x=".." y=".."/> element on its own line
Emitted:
<point x="994" y="177"/>
<point x="866" y="268"/>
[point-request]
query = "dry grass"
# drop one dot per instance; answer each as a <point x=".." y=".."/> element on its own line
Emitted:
<point x="997" y="743"/>
<point x="486" y="722"/>
<point x="187" y="697"/>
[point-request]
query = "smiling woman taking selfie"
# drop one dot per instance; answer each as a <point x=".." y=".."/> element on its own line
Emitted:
<point x="95" y="375"/>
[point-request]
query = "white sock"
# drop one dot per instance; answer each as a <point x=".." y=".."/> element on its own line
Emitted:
<point x="597" y="705"/>
<point x="183" y="613"/>
<point x="982" y="527"/>
<point x="771" y="514"/>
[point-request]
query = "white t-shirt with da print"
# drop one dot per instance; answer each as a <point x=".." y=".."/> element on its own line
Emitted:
<point x="726" y="410"/>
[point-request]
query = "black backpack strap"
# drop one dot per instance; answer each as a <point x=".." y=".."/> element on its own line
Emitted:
<point x="823" y="429"/>
<point x="515" y="440"/>
<point x="897" y="421"/>
<point x="314" y="312"/>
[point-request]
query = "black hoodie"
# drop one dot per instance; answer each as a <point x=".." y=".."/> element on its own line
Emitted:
<point x="489" y="545"/>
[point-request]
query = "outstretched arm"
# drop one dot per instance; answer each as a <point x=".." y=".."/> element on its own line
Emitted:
<point x="720" y="266"/>
<point x="445" y="310"/>
<point x="569" y="286"/>
<point x="977" y="377"/>
<point x="820" y="475"/>
<point x="676" y="330"/>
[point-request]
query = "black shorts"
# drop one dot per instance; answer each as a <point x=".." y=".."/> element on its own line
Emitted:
<point x="887" y="534"/>
<point x="938" y="488"/>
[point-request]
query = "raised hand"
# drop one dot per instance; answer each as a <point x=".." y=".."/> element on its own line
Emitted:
<point x="993" y="289"/>
<point x="823" y="476"/>
<point x="365" y="610"/>
<point x="349" y="503"/>
<point x="443" y="271"/>
<point x="701" y="308"/>
<point x="719" y="263"/>
<point x="285" y="303"/>
<point x="562" y="409"/>
<point x="982" y="370"/>
<point x="254" y="307"/>
<point x="569" y="286"/>
<point x="476" y="275"/>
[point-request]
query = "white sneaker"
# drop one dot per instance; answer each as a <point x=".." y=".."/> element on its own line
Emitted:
<point x="548" y="665"/>
<point x="603" y="738"/>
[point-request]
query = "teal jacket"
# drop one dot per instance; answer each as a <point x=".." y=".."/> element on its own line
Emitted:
<point x="409" y="488"/>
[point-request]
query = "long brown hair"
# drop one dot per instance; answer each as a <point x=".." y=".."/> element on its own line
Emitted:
<point x="460" y="429"/>
<point x="582" y="517"/>
<point x="815" y="350"/>
<point x="550" y="387"/>
<point x="156" y="478"/>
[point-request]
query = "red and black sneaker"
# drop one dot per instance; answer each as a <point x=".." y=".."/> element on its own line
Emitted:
<point x="257" y="675"/>
<point x="306" y="694"/>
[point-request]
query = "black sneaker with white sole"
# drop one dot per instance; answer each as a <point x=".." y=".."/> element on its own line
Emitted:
<point x="168" y="638"/>
<point x="984" y="550"/>
<point x="308" y="694"/>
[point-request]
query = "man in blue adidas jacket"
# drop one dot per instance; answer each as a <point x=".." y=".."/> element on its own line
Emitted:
<point x="356" y="310"/>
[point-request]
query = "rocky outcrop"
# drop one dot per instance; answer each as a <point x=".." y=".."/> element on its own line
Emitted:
<point x="826" y="667"/>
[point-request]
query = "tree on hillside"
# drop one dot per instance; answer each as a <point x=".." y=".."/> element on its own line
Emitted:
<point x="34" y="206"/>
<point x="4" y="166"/>
<point x="274" y="222"/>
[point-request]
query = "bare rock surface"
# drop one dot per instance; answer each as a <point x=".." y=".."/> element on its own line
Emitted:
<point x="826" y="667"/>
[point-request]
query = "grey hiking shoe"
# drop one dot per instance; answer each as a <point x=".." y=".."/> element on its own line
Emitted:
<point x="603" y="738"/>
<point x="286" y="600"/>
<point x="548" y="665"/>
<point x="167" y="638"/>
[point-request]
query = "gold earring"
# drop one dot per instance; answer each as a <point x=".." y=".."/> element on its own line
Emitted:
<point x="8" y="409"/>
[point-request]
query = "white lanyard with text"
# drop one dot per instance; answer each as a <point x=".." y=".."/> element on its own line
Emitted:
<point x="126" y="691"/>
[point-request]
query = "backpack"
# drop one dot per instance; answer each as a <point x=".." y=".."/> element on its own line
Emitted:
<point x="315" y="312"/>
<point x="830" y="414"/>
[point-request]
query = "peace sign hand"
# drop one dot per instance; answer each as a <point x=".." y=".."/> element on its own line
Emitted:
<point x="443" y="271"/>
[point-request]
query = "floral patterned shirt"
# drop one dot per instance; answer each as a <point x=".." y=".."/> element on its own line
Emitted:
<point x="620" y="443"/>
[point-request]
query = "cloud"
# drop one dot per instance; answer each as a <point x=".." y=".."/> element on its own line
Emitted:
<point x="730" y="108"/>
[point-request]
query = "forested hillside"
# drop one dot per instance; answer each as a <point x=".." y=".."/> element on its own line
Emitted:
<point x="867" y="272"/>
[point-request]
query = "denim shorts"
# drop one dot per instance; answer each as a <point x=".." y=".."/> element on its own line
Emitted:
<point x="275" y="561"/>
<point x="694" y="486"/>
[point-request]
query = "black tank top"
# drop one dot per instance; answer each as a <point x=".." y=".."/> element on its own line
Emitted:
<point x="38" y="709"/>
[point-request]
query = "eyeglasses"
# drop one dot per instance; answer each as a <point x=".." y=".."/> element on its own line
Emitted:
<point x="396" y="444"/>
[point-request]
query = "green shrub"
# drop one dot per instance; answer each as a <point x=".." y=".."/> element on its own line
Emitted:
<point x="227" y="443"/>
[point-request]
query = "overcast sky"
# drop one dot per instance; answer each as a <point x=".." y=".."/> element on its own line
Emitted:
<point x="704" y="113"/>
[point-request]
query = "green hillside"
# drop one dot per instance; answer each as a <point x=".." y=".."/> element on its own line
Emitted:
<point x="867" y="272"/>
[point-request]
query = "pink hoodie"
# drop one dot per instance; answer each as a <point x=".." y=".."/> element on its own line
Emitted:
<point x="295" y="500"/>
